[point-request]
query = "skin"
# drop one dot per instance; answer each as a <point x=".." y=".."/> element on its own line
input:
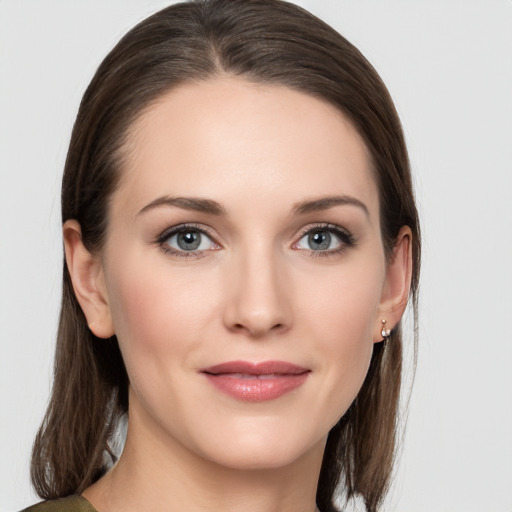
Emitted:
<point x="257" y="290"/>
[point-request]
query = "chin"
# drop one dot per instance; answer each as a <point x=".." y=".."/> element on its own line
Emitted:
<point x="254" y="452"/>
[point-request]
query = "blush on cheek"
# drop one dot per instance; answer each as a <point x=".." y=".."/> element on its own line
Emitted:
<point x="155" y="312"/>
<point x="345" y="315"/>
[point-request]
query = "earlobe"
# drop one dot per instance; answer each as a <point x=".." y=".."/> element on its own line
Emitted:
<point x="395" y="292"/>
<point x="88" y="281"/>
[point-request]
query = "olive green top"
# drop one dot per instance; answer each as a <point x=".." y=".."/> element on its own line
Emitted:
<point x="69" y="504"/>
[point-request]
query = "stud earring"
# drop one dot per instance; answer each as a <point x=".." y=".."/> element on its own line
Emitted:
<point x="385" y="333"/>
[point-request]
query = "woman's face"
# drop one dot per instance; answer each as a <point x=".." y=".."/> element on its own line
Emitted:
<point x="243" y="240"/>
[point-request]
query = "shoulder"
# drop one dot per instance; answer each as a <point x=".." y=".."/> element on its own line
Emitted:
<point x="69" y="504"/>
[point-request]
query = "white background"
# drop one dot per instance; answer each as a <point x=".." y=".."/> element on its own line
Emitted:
<point x="448" y="65"/>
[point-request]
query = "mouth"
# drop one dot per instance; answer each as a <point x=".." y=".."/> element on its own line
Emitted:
<point x="256" y="382"/>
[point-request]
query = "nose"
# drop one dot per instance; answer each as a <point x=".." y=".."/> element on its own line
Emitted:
<point x="258" y="291"/>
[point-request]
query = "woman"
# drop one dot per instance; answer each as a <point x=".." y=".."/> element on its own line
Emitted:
<point x="241" y="240"/>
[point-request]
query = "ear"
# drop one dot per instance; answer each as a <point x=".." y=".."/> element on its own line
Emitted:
<point x="88" y="281"/>
<point x="397" y="285"/>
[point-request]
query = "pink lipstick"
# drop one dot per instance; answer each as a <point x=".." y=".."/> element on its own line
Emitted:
<point x="256" y="382"/>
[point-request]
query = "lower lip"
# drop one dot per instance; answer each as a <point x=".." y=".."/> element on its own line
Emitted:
<point x="257" y="389"/>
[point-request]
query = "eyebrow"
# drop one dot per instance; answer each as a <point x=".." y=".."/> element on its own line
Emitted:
<point x="214" y="208"/>
<point x="187" y="203"/>
<point x="324" y="203"/>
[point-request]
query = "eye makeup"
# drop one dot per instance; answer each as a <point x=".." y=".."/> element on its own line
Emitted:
<point x="186" y="234"/>
<point x="190" y="240"/>
<point x="322" y="235"/>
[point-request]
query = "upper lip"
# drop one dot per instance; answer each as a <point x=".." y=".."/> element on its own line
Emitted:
<point x="250" y="368"/>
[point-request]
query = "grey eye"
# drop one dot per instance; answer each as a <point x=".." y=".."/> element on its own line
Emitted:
<point x="189" y="240"/>
<point x="319" y="240"/>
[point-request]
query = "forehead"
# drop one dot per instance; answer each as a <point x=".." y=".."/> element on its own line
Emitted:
<point x="237" y="142"/>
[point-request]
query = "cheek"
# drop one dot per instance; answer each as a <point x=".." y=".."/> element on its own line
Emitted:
<point x="343" y="302"/>
<point x="157" y="312"/>
<point x="342" y="314"/>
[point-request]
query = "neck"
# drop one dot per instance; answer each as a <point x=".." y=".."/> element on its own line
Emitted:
<point x="156" y="475"/>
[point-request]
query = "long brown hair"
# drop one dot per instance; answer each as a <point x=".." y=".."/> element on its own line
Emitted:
<point x="265" y="41"/>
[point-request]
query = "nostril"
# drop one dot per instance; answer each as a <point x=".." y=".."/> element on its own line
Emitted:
<point x="257" y="331"/>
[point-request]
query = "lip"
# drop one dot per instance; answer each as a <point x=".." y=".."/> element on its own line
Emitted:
<point x="256" y="382"/>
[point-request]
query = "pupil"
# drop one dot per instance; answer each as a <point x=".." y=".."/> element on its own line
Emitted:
<point x="320" y="240"/>
<point x="189" y="240"/>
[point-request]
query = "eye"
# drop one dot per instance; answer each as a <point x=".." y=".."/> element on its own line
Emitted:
<point x="325" y="239"/>
<point x="319" y="240"/>
<point x="186" y="241"/>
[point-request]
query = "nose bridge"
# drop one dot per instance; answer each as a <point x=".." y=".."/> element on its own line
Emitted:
<point x="258" y="300"/>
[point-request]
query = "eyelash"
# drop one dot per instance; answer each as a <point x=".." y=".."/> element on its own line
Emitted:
<point x="346" y="238"/>
<point x="180" y="229"/>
